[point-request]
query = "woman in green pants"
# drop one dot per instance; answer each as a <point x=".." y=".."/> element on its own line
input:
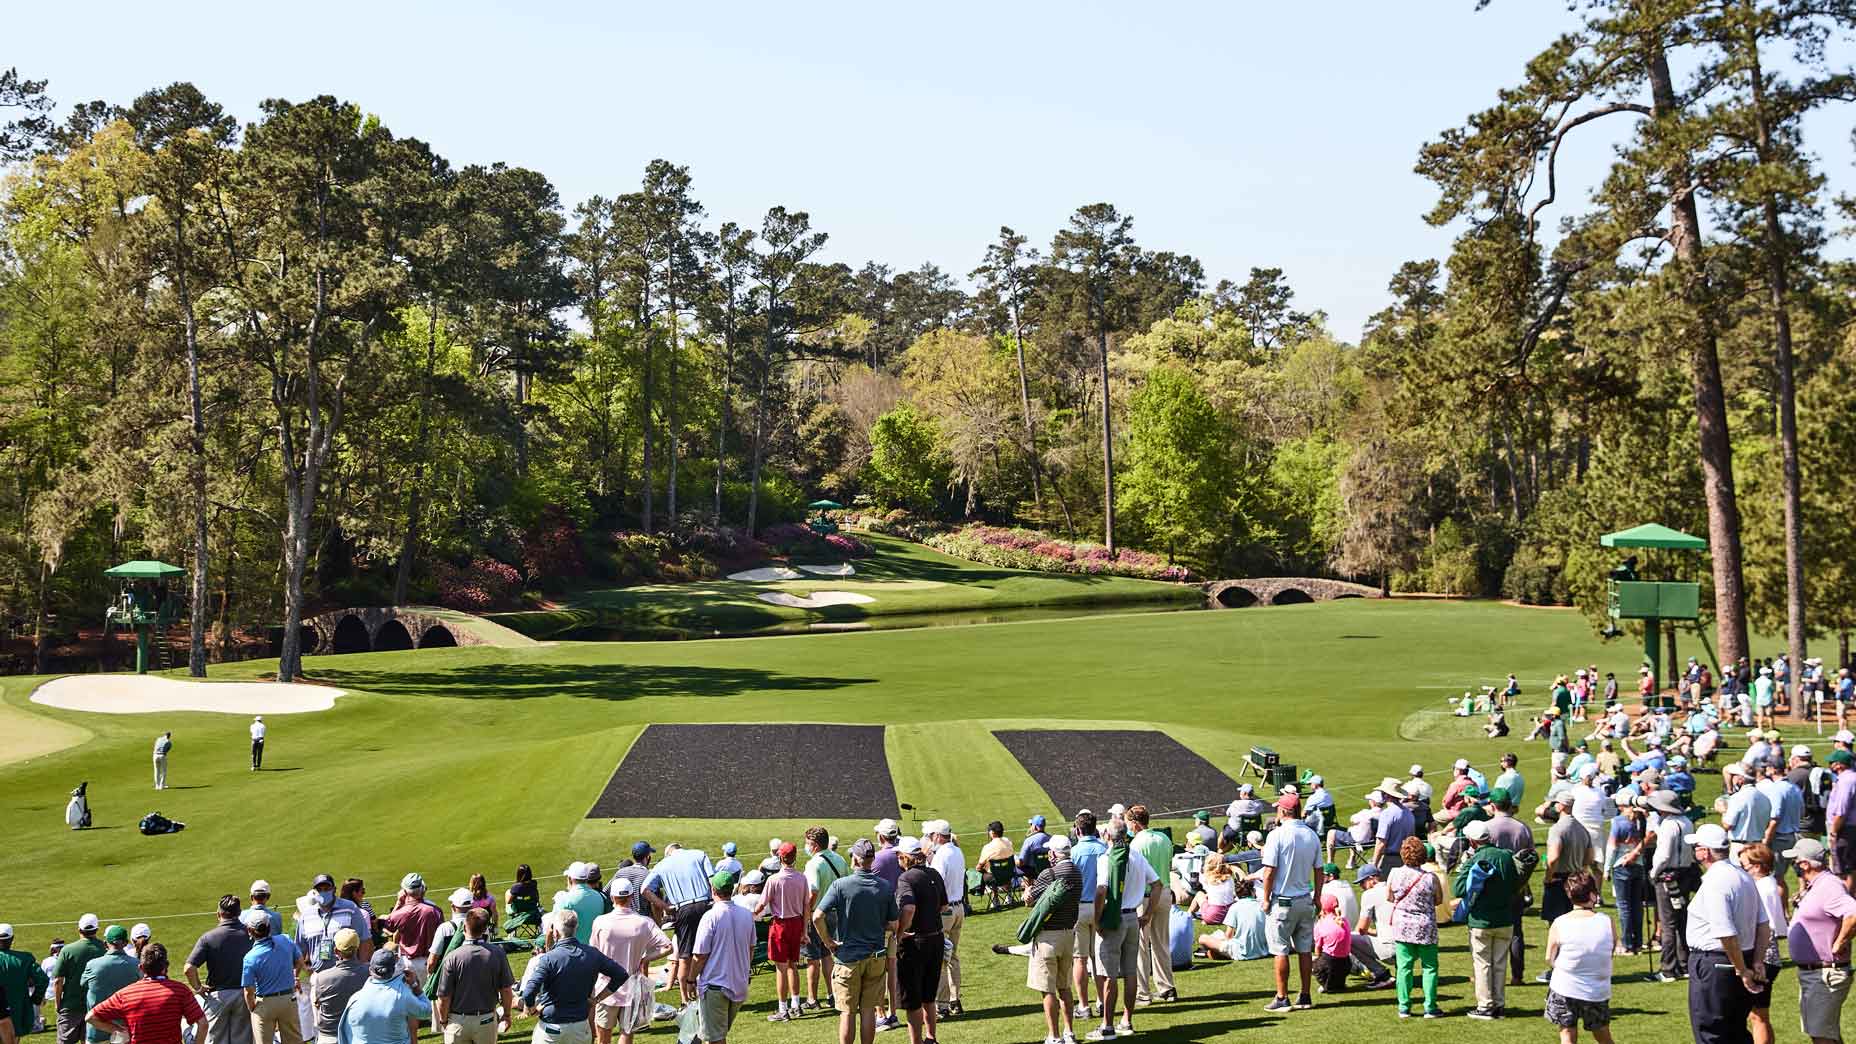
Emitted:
<point x="1414" y="893"/>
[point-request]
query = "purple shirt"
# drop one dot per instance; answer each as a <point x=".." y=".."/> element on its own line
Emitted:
<point x="1842" y="798"/>
<point x="1820" y="913"/>
<point x="886" y="867"/>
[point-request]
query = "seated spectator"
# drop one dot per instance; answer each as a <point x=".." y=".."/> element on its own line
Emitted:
<point x="1333" y="948"/>
<point x="1217" y="891"/>
<point x="1244" y="937"/>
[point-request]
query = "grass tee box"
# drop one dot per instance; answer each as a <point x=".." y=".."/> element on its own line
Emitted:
<point x="751" y="772"/>
<point x="1093" y="769"/>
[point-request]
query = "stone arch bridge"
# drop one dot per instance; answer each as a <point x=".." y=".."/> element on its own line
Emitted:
<point x="1282" y="590"/>
<point x="384" y="628"/>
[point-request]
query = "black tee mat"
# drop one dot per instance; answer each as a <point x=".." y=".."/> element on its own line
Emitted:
<point x="751" y="772"/>
<point x="1095" y="768"/>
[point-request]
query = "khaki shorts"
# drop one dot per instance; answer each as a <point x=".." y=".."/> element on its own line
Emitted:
<point x="470" y="1029"/>
<point x="1052" y="957"/>
<point x="1118" y="949"/>
<point x="561" y="1033"/>
<point x="716" y="1012"/>
<point x="1086" y="933"/>
<point x="605" y="1016"/>
<point x="860" y="986"/>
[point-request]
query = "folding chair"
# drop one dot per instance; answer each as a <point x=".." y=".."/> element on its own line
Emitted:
<point x="998" y="883"/>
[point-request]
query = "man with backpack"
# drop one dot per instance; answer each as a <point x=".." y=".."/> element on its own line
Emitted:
<point x="1673" y="877"/>
<point x="1813" y="781"/>
<point x="1487" y="882"/>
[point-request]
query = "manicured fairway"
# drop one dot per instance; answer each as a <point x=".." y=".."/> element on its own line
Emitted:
<point x="450" y="761"/>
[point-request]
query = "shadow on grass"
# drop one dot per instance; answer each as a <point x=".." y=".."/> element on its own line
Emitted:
<point x="607" y="682"/>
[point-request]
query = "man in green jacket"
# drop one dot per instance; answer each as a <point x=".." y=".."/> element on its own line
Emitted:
<point x="22" y="989"/>
<point x="1488" y="880"/>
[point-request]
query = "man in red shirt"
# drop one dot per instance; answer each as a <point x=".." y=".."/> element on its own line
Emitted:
<point x="414" y="922"/>
<point x="151" y="1009"/>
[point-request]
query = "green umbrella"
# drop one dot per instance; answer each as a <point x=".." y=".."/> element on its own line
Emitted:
<point x="143" y="569"/>
<point x="823" y="505"/>
<point x="1652" y="535"/>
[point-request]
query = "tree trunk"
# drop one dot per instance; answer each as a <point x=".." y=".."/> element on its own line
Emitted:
<point x="301" y="475"/>
<point x="41" y="641"/>
<point x="670" y="421"/>
<point x="296" y="558"/>
<point x="1778" y="279"/>
<point x="648" y="386"/>
<point x="760" y="421"/>
<point x="1024" y="405"/>
<point x="1673" y="674"/>
<point x="1108" y="445"/>
<point x="1717" y="463"/>
<point x="196" y="451"/>
<point x="721" y="427"/>
<point x="409" y="546"/>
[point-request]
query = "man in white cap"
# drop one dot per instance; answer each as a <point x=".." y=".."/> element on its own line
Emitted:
<point x="951" y="863"/>
<point x="1391" y="826"/>
<point x="1727" y="931"/>
<point x="921" y="899"/>
<point x="258" y="732"/>
<point x="269" y="978"/>
<point x="261" y="900"/>
<point x="1745" y="812"/>
<point x="888" y="867"/>
<point x="68" y="976"/>
<point x="1416" y="785"/>
<point x="1244" y="813"/>
<point x="1460" y="781"/>
<point x="580" y="897"/>
<point x="633" y="941"/>
<point x="414" y="922"/>
<point x="450" y="935"/>
<point x="139" y="936"/>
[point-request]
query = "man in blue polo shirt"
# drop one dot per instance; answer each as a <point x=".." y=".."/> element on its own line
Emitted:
<point x="678" y="887"/>
<point x="386" y="1009"/>
<point x="1036" y="837"/>
<point x="1084" y="852"/>
<point x="269" y="976"/>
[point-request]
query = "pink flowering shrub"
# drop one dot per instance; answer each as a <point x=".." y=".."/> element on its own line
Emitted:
<point x="1030" y="550"/>
<point x="482" y="585"/>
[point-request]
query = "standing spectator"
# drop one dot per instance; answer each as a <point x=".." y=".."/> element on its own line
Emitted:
<point x="1391" y="826"/>
<point x="633" y="941"/>
<point x="1727" y="931"/>
<point x="854" y="919"/>
<point x="257" y="743"/>
<point x="1056" y="893"/>
<point x="1673" y="877"/>
<point x="269" y="979"/>
<point x="261" y="900"/>
<point x="1757" y="860"/>
<point x="1840" y="815"/>
<point x="68" y="976"/>
<point x="1819" y="942"/>
<point x="22" y="988"/>
<point x="888" y="866"/>
<point x="151" y="1009"/>
<point x="414" y="922"/>
<point x="823" y="869"/>
<point x="319" y="917"/>
<point x="1579" y="952"/>
<point x="448" y="937"/>
<point x="1156" y="945"/>
<point x="636" y="871"/>
<point x="221" y="951"/>
<point x="1084" y="852"/>
<point x="920" y="899"/>
<point x="1569" y="850"/>
<point x="139" y="936"/>
<point x="474" y="980"/>
<point x="387" y="1008"/>
<point x="1630" y="871"/>
<point x="1491" y="916"/>
<point x="1745" y="812"/>
<point x="163" y="744"/>
<point x="1508" y="832"/>
<point x="717" y="972"/>
<point x="48" y="967"/>
<point x="728" y="861"/>
<point x="1123" y="881"/>
<point x="331" y="988"/>
<point x="786" y="900"/>
<point x="106" y="974"/>
<point x="560" y="985"/>
<point x="580" y="897"/>
<point x="1412" y="894"/>
<point x="1588" y="807"/>
<point x="951" y="863"/>
<point x="678" y="888"/>
<point x="1787" y="820"/>
<point x="1289" y="857"/>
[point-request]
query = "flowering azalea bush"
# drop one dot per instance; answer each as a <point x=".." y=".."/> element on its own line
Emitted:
<point x="791" y="538"/>
<point x="897" y="523"/>
<point x="1027" y="549"/>
<point x="481" y="585"/>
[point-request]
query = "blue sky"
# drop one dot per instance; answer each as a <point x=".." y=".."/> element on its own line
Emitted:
<point x="1275" y="134"/>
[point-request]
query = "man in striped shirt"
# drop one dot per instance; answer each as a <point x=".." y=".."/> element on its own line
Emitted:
<point x="151" y="1009"/>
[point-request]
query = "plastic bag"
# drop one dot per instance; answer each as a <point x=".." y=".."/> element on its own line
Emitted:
<point x="636" y="1004"/>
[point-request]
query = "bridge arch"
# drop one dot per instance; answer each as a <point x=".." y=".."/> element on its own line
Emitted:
<point x="392" y="636"/>
<point x="349" y="635"/>
<point x="1281" y="590"/>
<point x="384" y="628"/>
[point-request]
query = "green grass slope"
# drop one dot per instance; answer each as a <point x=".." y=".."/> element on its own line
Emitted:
<point x="450" y="761"/>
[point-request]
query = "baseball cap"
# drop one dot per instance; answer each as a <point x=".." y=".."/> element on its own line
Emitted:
<point x="1245" y="788"/>
<point x="620" y="886"/>
<point x="1754" y="734"/>
<point x="1806" y="848"/>
<point x="6" y="931"/>
<point x="862" y="848"/>
<point x="1415" y="770"/>
<point x="1036" y="821"/>
<point x="909" y="846"/>
<point x="386" y="963"/>
<point x="347" y="940"/>
<point x="1288" y="803"/>
<point x="116" y="933"/>
<point x="1844" y="736"/>
<point x="1367" y="873"/>
<point x="1735" y="769"/>
<point x="1331" y="869"/>
<point x="787" y="851"/>
<point x="937" y="826"/>
<point x="322" y="879"/>
<point x="641" y="849"/>
<point x="576" y="871"/>
<point x="260" y="886"/>
<point x="1119" y="809"/>
<point x="1477" y="830"/>
<point x="752" y="878"/>
<point x="886" y="828"/>
<point x="1499" y="795"/>
<point x="141" y="931"/>
<point x="1677" y="760"/>
<point x="254" y="918"/>
<point x="1565" y="797"/>
<point x="1801" y="751"/>
<point x="1316" y="781"/>
<point x="412" y="882"/>
<point x="461" y="897"/>
<point x="1708" y="835"/>
<point x="722" y="880"/>
<point x="89" y="923"/>
<point x="728" y="848"/>
<point x="1288" y="788"/>
<point x="1841" y="757"/>
<point x="1059" y="843"/>
<point x="1461" y="763"/>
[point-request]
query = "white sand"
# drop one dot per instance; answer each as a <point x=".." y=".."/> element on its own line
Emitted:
<point x="765" y="574"/>
<point x="841" y="569"/>
<point x="146" y="694"/>
<point x="818" y="600"/>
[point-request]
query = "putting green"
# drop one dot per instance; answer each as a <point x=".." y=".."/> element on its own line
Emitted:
<point x="450" y="761"/>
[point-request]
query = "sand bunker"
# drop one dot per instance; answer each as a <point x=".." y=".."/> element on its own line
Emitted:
<point x="817" y="600"/>
<point x="765" y="574"/>
<point x="841" y="569"/>
<point x="146" y="694"/>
